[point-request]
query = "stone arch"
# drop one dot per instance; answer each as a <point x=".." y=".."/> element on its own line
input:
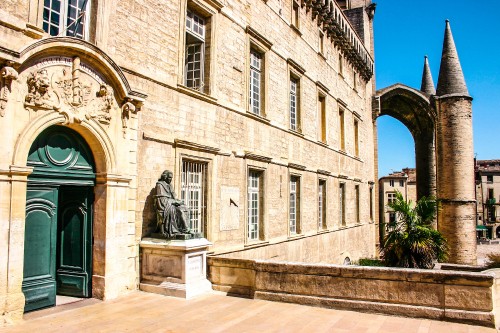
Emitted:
<point x="94" y="135"/>
<point x="91" y="54"/>
<point x="413" y="108"/>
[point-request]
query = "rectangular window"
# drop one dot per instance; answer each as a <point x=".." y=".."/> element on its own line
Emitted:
<point x="254" y="204"/>
<point x="295" y="14"/>
<point x="355" y="81"/>
<point x="321" y="42"/>
<point x="343" y="4"/>
<point x="356" y="138"/>
<point x="294" y="103"/>
<point x="194" y="193"/>
<point x="341" y="64"/>
<point x="342" y="203"/>
<point x="194" y="72"/>
<point x="294" y="213"/>
<point x="256" y="90"/>
<point x="356" y="194"/>
<point x="392" y="217"/>
<point x="322" y="204"/>
<point x="391" y="197"/>
<point x="490" y="194"/>
<point x="391" y="182"/>
<point x="342" y="130"/>
<point x="401" y="183"/>
<point x="371" y="203"/>
<point x="322" y="118"/>
<point x="66" y="17"/>
<point x="489" y="178"/>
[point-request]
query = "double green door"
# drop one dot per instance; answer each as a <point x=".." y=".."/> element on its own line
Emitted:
<point x="58" y="244"/>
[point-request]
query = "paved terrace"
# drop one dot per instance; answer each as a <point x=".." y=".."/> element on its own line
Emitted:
<point x="145" y="312"/>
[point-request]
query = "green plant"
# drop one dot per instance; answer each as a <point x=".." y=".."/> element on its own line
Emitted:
<point x="370" y="262"/>
<point x="410" y="240"/>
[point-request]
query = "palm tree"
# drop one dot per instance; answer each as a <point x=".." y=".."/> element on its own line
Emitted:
<point x="410" y="241"/>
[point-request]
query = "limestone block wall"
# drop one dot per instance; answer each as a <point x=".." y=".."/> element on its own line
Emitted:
<point x="329" y="247"/>
<point x="215" y="127"/>
<point x="444" y="295"/>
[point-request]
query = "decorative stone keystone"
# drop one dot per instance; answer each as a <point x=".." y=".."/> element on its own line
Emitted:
<point x="174" y="267"/>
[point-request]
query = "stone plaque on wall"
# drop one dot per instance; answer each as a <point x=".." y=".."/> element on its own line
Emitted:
<point x="230" y="214"/>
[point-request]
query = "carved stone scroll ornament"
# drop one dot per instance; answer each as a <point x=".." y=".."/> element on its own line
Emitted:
<point x="7" y="75"/>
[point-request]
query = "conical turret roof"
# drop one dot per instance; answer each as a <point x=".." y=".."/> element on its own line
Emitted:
<point x="451" y="78"/>
<point x="427" y="82"/>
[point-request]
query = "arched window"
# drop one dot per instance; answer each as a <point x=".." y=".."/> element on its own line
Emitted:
<point x="67" y="18"/>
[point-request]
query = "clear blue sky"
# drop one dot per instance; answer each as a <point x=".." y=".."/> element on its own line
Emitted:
<point x="406" y="31"/>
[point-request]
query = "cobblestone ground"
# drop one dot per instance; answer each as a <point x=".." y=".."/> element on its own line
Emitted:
<point x="483" y="250"/>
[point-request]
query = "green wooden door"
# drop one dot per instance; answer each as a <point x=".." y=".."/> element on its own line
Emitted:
<point x="39" y="283"/>
<point x="74" y="246"/>
<point x="58" y="230"/>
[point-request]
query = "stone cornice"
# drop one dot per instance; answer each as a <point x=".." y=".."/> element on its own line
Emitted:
<point x="257" y="157"/>
<point x="195" y="146"/>
<point x="259" y="37"/>
<point x="338" y="28"/>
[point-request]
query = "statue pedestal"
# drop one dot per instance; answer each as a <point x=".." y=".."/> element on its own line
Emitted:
<point x="174" y="267"/>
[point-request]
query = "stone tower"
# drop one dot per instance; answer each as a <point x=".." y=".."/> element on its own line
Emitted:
<point x="455" y="156"/>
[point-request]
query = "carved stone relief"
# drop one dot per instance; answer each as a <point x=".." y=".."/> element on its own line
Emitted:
<point x="70" y="88"/>
<point x="7" y="75"/>
<point x="127" y="108"/>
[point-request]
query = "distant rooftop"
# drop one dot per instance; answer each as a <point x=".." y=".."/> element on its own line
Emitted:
<point x="488" y="165"/>
<point x="409" y="173"/>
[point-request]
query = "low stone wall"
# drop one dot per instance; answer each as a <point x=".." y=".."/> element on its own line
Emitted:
<point x="469" y="297"/>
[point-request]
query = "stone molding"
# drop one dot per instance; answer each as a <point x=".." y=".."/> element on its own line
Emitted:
<point x="196" y="146"/>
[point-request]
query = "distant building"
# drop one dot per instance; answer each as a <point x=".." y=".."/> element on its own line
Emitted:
<point x="488" y="197"/>
<point x="404" y="181"/>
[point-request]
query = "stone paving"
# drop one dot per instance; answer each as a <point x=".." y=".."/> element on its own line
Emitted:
<point x="214" y="312"/>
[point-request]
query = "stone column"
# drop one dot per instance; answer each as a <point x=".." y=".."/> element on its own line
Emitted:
<point x="13" y="183"/>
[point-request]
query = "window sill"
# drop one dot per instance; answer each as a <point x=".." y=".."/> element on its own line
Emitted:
<point x="256" y="243"/>
<point x="296" y="236"/>
<point x="296" y="29"/>
<point x="323" y="143"/>
<point x="322" y="55"/>
<point x="195" y="93"/>
<point x="323" y="231"/>
<point x="295" y="132"/>
<point x="257" y="117"/>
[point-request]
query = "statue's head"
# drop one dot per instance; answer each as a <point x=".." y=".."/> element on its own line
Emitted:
<point x="167" y="176"/>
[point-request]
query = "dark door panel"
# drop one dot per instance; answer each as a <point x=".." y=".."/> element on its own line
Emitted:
<point x="74" y="263"/>
<point x="39" y="283"/>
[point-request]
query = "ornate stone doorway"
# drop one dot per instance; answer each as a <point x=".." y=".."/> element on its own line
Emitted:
<point x="59" y="213"/>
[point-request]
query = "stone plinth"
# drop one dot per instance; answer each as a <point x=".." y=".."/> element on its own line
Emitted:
<point x="174" y="267"/>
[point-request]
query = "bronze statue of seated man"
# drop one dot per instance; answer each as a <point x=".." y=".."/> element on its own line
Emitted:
<point x="172" y="215"/>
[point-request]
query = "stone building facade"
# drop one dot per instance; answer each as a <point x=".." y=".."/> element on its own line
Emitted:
<point x="261" y="108"/>
<point x="488" y="197"/>
<point x="405" y="182"/>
